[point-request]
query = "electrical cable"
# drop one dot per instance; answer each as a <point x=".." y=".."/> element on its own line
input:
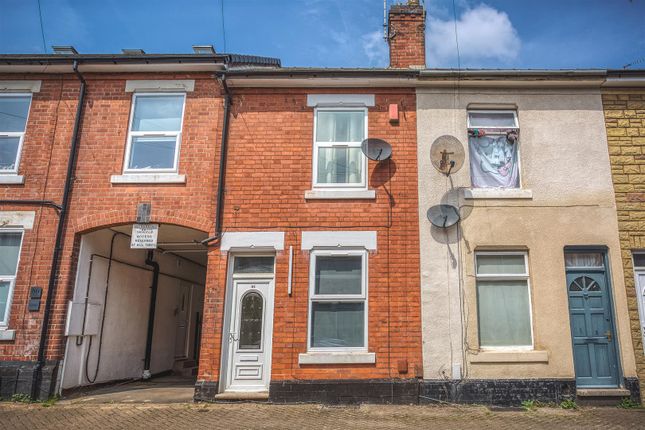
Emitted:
<point x="42" y="27"/>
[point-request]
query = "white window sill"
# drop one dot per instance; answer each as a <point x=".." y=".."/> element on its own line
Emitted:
<point x="148" y="178"/>
<point x="529" y="356"/>
<point x="498" y="193"/>
<point x="12" y="179"/>
<point x="339" y="194"/>
<point x="337" y="358"/>
<point x="6" y="334"/>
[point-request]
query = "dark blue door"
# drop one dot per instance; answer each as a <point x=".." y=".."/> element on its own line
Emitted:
<point x="594" y="346"/>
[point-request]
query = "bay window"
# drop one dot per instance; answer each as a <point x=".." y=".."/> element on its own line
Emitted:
<point x="14" y="110"/>
<point x="338" y="300"/>
<point x="155" y="133"/>
<point x="503" y="300"/>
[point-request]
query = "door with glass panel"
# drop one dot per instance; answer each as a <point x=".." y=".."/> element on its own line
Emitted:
<point x="250" y="325"/>
<point x="592" y="328"/>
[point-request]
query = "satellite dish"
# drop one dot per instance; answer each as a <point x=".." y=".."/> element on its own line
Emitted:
<point x="447" y="154"/>
<point x="376" y="149"/>
<point x="443" y="216"/>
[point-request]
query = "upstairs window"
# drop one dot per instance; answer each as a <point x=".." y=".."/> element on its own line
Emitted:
<point x="14" y="109"/>
<point x="493" y="141"/>
<point x="338" y="160"/>
<point x="155" y="133"/>
<point x="10" y="243"/>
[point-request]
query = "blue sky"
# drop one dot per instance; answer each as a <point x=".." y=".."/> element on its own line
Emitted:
<point x="339" y="33"/>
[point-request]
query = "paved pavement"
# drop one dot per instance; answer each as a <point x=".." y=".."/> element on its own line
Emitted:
<point x="266" y="416"/>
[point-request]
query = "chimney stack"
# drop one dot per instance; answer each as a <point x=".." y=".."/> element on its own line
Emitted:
<point x="406" y="35"/>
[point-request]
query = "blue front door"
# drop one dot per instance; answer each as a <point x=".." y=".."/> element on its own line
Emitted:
<point x="594" y="344"/>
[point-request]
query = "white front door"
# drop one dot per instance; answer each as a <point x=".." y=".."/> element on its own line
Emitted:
<point x="640" y="292"/>
<point x="249" y="340"/>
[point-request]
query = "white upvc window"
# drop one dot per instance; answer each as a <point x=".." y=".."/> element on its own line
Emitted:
<point x="338" y="300"/>
<point x="493" y="143"/>
<point x="503" y="300"/>
<point x="154" y="134"/>
<point x="338" y="162"/>
<point x="14" y="112"/>
<point x="10" y="246"/>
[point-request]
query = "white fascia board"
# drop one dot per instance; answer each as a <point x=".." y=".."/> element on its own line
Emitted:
<point x="20" y="86"/>
<point x="314" y="100"/>
<point x="22" y="219"/>
<point x="187" y="85"/>
<point x="340" y="239"/>
<point x="252" y="240"/>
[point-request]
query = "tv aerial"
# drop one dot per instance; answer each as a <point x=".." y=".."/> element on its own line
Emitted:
<point x="376" y="149"/>
<point x="443" y="216"/>
<point x="447" y="154"/>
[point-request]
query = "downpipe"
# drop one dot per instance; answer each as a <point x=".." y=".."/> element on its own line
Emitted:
<point x="151" y="313"/>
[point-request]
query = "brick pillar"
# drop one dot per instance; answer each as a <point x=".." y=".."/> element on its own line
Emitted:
<point x="406" y="35"/>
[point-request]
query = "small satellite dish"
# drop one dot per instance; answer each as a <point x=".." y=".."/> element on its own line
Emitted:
<point x="443" y="216"/>
<point x="447" y="154"/>
<point x="376" y="149"/>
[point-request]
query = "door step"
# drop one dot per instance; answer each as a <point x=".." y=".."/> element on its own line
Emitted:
<point x="241" y="396"/>
<point x="601" y="396"/>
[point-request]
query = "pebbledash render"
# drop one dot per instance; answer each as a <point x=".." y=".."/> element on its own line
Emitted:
<point x="287" y="265"/>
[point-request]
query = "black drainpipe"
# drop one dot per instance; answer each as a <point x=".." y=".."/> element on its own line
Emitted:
<point x="151" y="313"/>
<point x="58" y="246"/>
<point x="222" y="165"/>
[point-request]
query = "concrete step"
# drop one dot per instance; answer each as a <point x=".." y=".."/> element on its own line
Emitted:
<point x="242" y="396"/>
<point x="601" y="396"/>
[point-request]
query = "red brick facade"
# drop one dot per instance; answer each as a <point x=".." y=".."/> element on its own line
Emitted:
<point x="270" y="159"/>
<point x="269" y="170"/>
<point x="95" y="201"/>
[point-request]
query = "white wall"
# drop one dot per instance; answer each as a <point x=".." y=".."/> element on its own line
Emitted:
<point x="126" y="318"/>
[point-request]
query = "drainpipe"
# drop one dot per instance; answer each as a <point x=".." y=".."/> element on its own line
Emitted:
<point x="60" y="234"/>
<point x="151" y="313"/>
<point x="222" y="165"/>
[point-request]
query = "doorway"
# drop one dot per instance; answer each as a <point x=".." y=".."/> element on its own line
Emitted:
<point x="592" y="322"/>
<point x="639" y="274"/>
<point x="249" y="329"/>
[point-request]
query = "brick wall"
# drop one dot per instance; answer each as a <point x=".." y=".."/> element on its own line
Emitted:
<point x="625" y="121"/>
<point x="95" y="201"/>
<point x="269" y="170"/>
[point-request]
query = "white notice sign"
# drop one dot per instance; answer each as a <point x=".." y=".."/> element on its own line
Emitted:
<point x="144" y="236"/>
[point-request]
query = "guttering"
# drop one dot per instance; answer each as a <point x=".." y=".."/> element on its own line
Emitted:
<point x="60" y="232"/>
<point x="625" y="78"/>
<point x="495" y="78"/>
<point x="221" y="174"/>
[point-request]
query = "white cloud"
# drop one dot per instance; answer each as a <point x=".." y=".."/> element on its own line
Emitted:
<point x="375" y="48"/>
<point x="486" y="36"/>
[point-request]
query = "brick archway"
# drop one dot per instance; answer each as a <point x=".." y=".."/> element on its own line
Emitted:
<point x="106" y="219"/>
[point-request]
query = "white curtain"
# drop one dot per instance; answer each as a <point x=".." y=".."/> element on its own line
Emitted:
<point x="493" y="162"/>
<point x="504" y="313"/>
<point x="339" y="165"/>
<point x="583" y="259"/>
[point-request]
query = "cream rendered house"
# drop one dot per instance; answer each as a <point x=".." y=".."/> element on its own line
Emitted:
<point x="523" y="298"/>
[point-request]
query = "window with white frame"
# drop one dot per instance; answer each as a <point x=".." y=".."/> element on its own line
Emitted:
<point x="338" y="300"/>
<point x="14" y="110"/>
<point x="10" y="244"/>
<point x="503" y="300"/>
<point x="155" y="133"/>
<point x="493" y="142"/>
<point x="338" y="159"/>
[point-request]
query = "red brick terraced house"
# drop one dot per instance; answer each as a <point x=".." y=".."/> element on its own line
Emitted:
<point x="213" y="216"/>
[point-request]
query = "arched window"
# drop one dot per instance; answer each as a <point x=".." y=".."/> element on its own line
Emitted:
<point x="251" y="321"/>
